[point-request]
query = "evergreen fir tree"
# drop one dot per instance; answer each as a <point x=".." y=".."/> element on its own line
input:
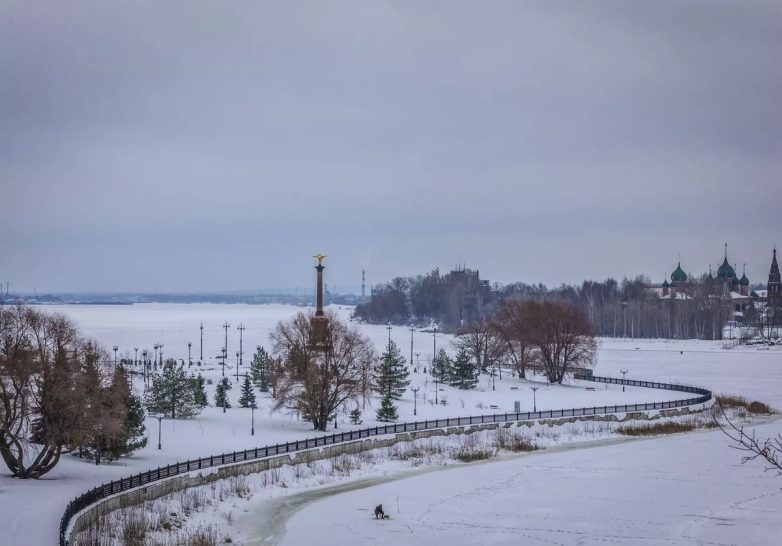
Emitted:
<point x="387" y="411"/>
<point x="355" y="417"/>
<point x="199" y="391"/>
<point x="464" y="372"/>
<point x="247" y="399"/>
<point x="391" y="375"/>
<point x="391" y="381"/>
<point x="441" y="367"/>
<point x="221" y="394"/>
<point x="260" y="369"/>
<point x="134" y="437"/>
<point x="172" y="394"/>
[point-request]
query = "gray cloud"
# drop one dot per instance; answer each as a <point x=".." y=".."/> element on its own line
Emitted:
<point x="218" y="145"/>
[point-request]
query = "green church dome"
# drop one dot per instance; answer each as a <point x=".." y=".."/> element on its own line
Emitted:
<point x="744" y="280"/>
<point x="726" y="271"/>
<point x="665" y="284"/>
<point x="679" y="275"/>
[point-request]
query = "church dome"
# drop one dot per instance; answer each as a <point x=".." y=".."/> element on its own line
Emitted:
<point x="744" y="280"/>
<point x="665" y="284"/>
<point x="679" y="275"/>
<point x="726" y="271"/>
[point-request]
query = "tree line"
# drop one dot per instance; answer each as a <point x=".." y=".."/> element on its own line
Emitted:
<point x="616" y="309"/>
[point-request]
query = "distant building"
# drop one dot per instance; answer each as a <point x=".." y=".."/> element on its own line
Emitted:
<point x="726" y="286"/>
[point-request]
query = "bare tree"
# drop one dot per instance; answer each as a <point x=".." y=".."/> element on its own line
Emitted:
<point x="766" y="449"/>
<point x="511" y="325"/>
<point x="50" y="400"/>
<point x="480" y="340"/>
<point x="317" y="377"/>
<point x="563" y="337"/>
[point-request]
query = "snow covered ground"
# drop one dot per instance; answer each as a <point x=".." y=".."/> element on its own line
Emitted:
<point x="33" y="508"/>
<point x="677" y="490"/>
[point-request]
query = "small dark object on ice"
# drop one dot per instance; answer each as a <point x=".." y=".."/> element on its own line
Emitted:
<point x="379" y="514"/>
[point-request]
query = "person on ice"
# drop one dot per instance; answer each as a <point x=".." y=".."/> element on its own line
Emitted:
<point x="379" y="514"/>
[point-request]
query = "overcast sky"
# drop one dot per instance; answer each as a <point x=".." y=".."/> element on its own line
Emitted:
<point x="207" y="146"/>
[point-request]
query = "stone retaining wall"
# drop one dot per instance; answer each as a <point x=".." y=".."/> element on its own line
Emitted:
<point x="203" y="477"/>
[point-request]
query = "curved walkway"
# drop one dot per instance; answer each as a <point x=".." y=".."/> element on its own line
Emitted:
<point x="94" y="496"/>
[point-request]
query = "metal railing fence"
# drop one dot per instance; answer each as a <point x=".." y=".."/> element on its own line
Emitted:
<point x="107" y="489"/>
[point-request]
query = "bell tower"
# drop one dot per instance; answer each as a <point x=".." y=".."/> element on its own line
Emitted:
<point x="774" y="295"/>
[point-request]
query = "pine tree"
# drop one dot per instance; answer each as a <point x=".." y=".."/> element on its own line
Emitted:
<point x="199" y="391"/>
<point x="387" y="411"/>
<point x="464" y="374"/>
<point x="247" y="399"/>
<point x="134" y="437"/>
<point x="221" y="394"/>
<point x="441" y="367"/>
<point x="260" y="369"/>
<point x="172" y="394"/>
<point x="391" y="375"/>
<point x="355" y="417"/>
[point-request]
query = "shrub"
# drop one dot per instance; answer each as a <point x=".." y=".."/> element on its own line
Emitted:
<point x="670" y="427"/>
<point x="732" y="401"/>
<point x="513" y="441"/>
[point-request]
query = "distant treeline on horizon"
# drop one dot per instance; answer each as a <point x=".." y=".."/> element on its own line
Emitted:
<point x="616" y="308"/>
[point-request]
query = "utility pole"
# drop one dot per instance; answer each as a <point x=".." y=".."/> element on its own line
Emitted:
<point x="135" y="360"/>
<point x="156" y="346"/>
<point x="237" y="366"/>
<point x="415" y="400"/>
<point x="189" y="359"/>
<point x="116" y="348"/>
<point x="226" y="326"/>
<point x="241" y="329"/>
<point x="436" y="401"/>
<point x="534" y="399"/>
<point x="161" y="356"/>
<point x="202" y="342"/>
<point x="224" y="356"/>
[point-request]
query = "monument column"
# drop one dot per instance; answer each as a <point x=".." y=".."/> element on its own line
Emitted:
<point x="319" y="322"/>
<point x="320" y="267"/>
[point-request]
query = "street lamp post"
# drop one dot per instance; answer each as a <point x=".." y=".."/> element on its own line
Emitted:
<point x="156" y="347"/>
<point x="161" y="356"/>
<point x="624" y="373"/>
<point x="534" y="399"/>
<point x="189" y="359"/>
<point x="436" y="401"/>
<point x="116" y="348"/>
<point x="202" y="342"/>
<point x="144" y="354"/>
<point x="241" y="329"/>
<point x="159" y="428"/>
<point x="412" y="331"/>
<point x="415" y="400"/>
<point x="237" y="366"/>
<point x="434" y="346"/>
<point x="135" y="360"/>
<point x="417" y="355"/>
<point x="226" y="326"/>
<point x="389" y="327"/>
